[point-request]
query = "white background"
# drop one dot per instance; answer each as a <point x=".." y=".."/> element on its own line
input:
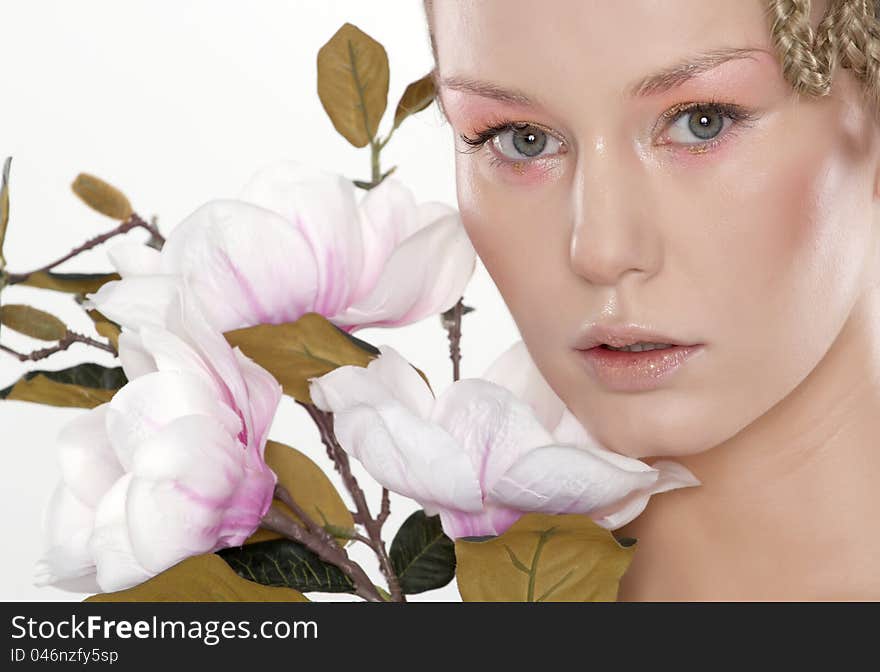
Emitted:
<point x="177" y="103"/>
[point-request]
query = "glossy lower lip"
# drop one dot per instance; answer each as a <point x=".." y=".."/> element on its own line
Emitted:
<point x="636" y="371"/>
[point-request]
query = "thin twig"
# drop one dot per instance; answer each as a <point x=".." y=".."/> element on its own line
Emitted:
<point x="451" y="320"/>
<point x="69" y="339"/>
<point x="283" y="495"/>
<point x="332" y="553"/>
<point x="385" y="510"/>
<point x="133" y="222"/>
<point x="362" y="515"/>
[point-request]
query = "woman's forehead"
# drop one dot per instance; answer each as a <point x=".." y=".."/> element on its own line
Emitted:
<point x="605" y="39"/>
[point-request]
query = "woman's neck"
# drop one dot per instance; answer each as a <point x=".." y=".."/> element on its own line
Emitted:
<point x="789" y="508"/>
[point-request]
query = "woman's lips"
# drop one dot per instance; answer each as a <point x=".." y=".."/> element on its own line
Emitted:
<point x="623" y="371"/>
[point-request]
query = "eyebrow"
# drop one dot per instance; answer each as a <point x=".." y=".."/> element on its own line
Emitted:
<point x="653" y="84"/>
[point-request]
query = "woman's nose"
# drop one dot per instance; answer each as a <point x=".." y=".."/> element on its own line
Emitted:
<point x="613" y="230"/>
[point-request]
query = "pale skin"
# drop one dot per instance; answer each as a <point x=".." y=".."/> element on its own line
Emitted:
<point x="761" y="244"/>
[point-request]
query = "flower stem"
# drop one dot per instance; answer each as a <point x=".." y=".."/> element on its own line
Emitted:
<point x="132" y="222"/>
<point x="69" y="339"/>
<point x="362" y="515"/>
<point x="329" y="552"/>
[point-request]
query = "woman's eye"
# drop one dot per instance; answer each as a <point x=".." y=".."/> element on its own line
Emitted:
<point x="524" y="142"/>
<point x="515" y="143"/>
<point x="703" y="125"/>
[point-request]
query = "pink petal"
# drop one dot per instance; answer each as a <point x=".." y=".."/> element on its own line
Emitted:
<point x="389" y="214"/>
<point x="322" y="206"/>
<point x="490" y="424"/>
<point x="425" y="275"/>
<point x="246" y="264"/>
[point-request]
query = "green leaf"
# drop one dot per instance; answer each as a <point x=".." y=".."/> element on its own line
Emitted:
<point x="282" y="562"/>
<point x="74" y="283"/>
<point x="422" y="556"/>
<point x="542" y="557"/>
<point x="417" y="96"/>
<point x="202" y="578"/>
<point x="32" y="322"/>
<point x="102" y="197"/>
<point x="353" y="77"/>
<point x="83" y="386"/>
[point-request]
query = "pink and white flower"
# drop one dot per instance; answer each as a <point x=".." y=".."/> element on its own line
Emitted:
<point x="487" y="450"/>
<point x="171" y="467"/>
<point x="296" y="241"/>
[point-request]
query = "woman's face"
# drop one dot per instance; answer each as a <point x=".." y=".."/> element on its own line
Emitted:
<point x="747" y="227"/>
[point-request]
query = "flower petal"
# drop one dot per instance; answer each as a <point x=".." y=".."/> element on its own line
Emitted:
<point x="130" y="258"/>
<point x="146" y="404"/>
<point x="490" y="424"/>
<point x="387" y="377"/>
<point x="515" y="370"/>
<point x="425" y="275"/>
<point x="414" y="458"/>
<point x="136" y="300"/>
<point x="567" y="479"/>
<point x="264" y="395"/>
<point x="388" y="215"/>
<point x="322" y="206"/>
<point x="67" y="524"/>
<point x="188" y="477"/>
<point x="246" y="264"/>
<point x="672" y="476"/>
<point x="110" y="546"/>
<point x="89" y="465"/>
<point x="492" y="520"/>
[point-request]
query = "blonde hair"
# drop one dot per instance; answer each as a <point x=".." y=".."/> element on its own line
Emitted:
<point x="847" y="36"/>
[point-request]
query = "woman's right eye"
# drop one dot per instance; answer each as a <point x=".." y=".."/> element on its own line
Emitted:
<point x="517" y="142"/>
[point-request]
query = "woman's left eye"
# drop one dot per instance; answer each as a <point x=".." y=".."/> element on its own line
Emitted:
<point x="699" y="126"/>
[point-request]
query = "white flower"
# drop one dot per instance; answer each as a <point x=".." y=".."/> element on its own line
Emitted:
<point x="482" y="454"/>
<point x="171" y="467"/>
<point x="297" y="241"/>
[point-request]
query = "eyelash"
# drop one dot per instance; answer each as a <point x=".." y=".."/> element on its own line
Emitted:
<point x="739" y="116"/>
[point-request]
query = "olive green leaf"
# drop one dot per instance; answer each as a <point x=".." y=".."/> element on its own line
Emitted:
<point x="32" y="322"/>
<point x="282" y="562"/>
<point x="73" y="283"/>
<point x="4" y="207"/>
<point x="106" y="327"/>
<point x="201" y="578"/>
<point x="422" y="556"/>
<point x="417" y="96"/>
<point x="310" y="488"/>
<point x="293" y="352"/>
<point x="83" y="386"/>
<point x="353" y="77"/>
<point x="543" y="558"/>
<point x="102" y="197"/>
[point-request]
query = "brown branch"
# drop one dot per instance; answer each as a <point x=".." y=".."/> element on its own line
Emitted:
<point x="69" y="339"/>
<point x="132" y="222"/>
<point x="451" y="320"/>
<point x="324" y="421"/>
<point x="385" y="510"/>
<point x="331" y="552"/>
